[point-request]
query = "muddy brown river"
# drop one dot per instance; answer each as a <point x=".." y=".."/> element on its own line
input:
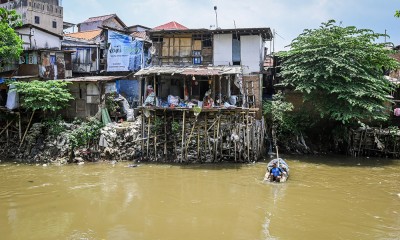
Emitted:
<point x="324" y="198"/>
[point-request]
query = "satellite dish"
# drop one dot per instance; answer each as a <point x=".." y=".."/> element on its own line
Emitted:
<point x="152" y="50"/>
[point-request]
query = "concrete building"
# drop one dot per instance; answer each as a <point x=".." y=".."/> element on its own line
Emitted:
<point x="45" y="14"/>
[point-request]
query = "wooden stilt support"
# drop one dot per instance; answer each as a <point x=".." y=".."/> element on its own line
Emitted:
<point x="27" y="128"/>
<point x="143" y="122"/>
<point x="8" y="124"/>
<point x="183" y="135"/>
<point x="148" y="136"/>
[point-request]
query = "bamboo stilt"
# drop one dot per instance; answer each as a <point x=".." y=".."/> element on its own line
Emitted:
<point x="7" y="135"/>
<point x="190" y="137"/>
<point x="148" y="136"/>
<point x="27" y="128"/>
<point x="143" y="122"/>
<point x="8" y="124"/>
<point x="183" y="135"/>
<point x="198" y="142"/>
<point x="19" y="127"/>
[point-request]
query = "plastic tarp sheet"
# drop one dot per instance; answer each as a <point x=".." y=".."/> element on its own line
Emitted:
<point x="124" y="54"/>
<point x="12" y="98"/>
<point x="129" y="89"/>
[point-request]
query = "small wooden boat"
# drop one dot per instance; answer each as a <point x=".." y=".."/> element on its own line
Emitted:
<point x="280" y="163"/>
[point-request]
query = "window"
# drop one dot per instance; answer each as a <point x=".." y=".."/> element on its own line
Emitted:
<point x="54" y="24"/>
<point x="207" y="43"/>
<point x="37" y="20"/>
<point x="196" y="57"/>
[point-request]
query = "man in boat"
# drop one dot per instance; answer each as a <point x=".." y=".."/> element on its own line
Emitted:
<point x="275" y="174"/>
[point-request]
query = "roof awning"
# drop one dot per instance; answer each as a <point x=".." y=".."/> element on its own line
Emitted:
<point x="191" y="71"/>
<point x="94" y="79"/>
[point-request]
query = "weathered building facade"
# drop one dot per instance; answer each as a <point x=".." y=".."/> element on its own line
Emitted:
<point x="45" y="14"/>
<point x="202" y="95"/>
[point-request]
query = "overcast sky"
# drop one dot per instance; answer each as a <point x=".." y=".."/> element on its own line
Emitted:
<point x="287" y="17"/>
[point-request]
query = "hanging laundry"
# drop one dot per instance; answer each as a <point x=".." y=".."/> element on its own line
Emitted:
<point x="396" y="112"/>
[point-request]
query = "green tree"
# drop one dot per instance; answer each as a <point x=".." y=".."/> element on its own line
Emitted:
<point x="340" y="71"/>
<point x="397" y="14"/>
<point x="10" y="42"/>
<point x="49" y="95"/>
<point x="275" y="112"/>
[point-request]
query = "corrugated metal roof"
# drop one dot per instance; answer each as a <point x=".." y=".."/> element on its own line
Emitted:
<point x="171" y="26"/>
<point x="100" y="18"/>
<point x="94" y="79"/>
<point x="195" y="71"/>
<point x="87" y="35"/>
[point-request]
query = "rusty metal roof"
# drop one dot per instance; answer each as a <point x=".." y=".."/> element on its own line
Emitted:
<point x="99" y="18"/>
<point x="104" y="18"/>
<point x="192" y="71"/>
<point x="87" y="35"/>
<point x="94" y="79"/>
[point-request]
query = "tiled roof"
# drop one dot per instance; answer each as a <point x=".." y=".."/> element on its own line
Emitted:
<point x="88" y="35"/>
<point x="171" y="26"/>
<point x="99" y="18"/>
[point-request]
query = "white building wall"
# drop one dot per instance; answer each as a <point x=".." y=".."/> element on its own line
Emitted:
<point x="222" y="49"/>
<point x="83" y="27"/>
<point x="38" y="39"/>
<point x="252" y="52"/>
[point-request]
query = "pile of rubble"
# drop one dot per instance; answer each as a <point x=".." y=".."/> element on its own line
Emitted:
<point x="118" y="141"/>
<point x="121" y="141"/>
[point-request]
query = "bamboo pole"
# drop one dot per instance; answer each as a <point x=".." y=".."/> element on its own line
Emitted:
<point x="27" y="128"/>
<point x="174" y="136"/>
<point x="190" y="137"/>
<point x="7" y="134"/>
<point x="8" y="124"/>
<point x="143" y="122"/>
<point x="183" y="135"/>
<point x="19" y="126"/>
<point x="215" y="142"/>
<point x="198" y="142"/>
<point x="148" y="136"/>
<point x="217" y="139"/>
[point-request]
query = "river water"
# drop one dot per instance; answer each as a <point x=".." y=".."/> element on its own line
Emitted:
<point x="324" y="198"/>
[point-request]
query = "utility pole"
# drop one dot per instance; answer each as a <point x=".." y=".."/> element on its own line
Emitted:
<point x="273" y="41"/>
<point x="385" y="36"/>
<point x="216" y="17"/>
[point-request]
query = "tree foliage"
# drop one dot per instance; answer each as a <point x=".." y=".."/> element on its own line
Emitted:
<point x="397" y="14"/>
<point x="10" y="42"/>
<point x="275" y="110"/>
<point x="340" y="71"/>
<point x="50" y="95"/>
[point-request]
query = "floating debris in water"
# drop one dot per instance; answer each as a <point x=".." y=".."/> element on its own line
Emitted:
<point x="132" y="165"/>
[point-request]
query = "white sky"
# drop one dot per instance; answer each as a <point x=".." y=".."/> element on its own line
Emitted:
<point x="287" y="17"/>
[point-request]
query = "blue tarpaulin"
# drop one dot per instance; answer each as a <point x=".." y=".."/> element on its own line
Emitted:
<point x="129" y="89"/>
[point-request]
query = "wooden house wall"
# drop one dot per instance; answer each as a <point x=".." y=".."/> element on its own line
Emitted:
<point x="179" y="50"/>
<point x="85" y="103"/>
